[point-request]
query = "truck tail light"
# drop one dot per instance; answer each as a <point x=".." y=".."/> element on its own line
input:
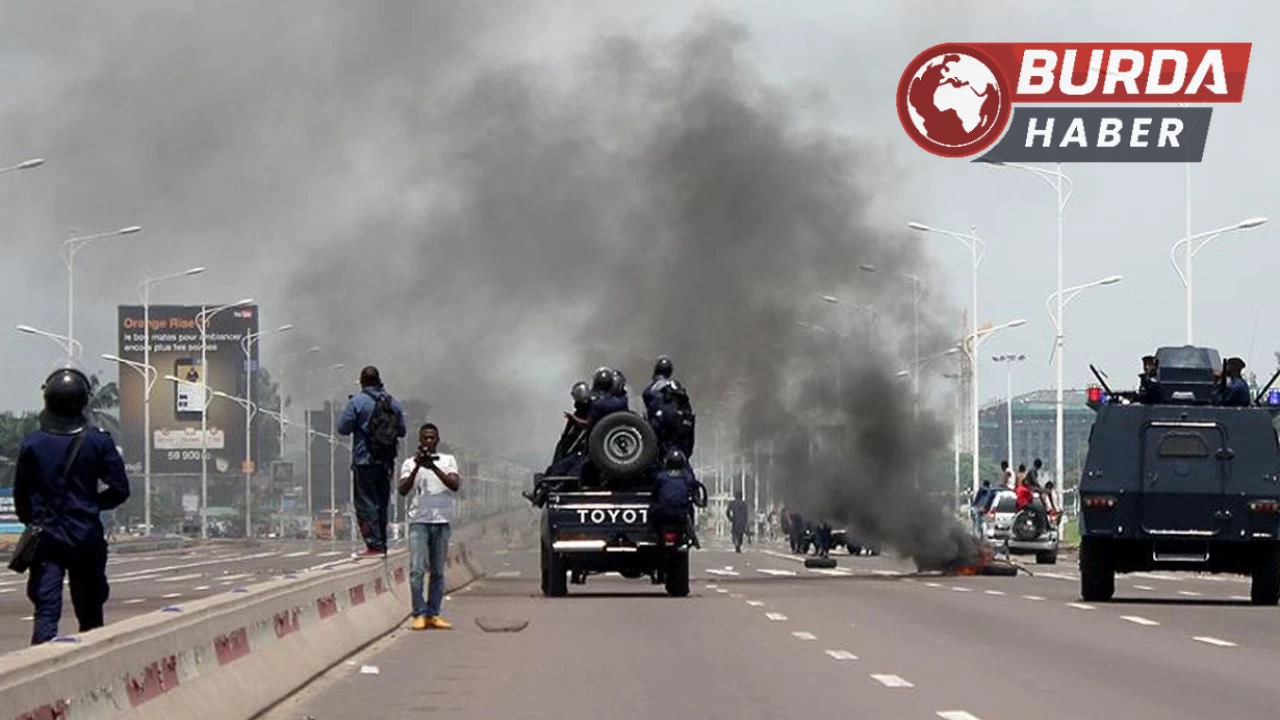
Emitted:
<point x="670" y="537"/>
<point x="1264" y="506"/>
<point x="1099" y="501"/>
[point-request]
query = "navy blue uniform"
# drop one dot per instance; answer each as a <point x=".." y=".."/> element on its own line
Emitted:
<point x="1236" y="393"/>
<point x="72" y="543"/>
<point x="673" y="493"/>
<point x="602" y="405"/>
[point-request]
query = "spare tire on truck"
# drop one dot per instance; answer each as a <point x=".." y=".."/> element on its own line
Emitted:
<point x="623" y="445"/>
<point x="1029" y="525"/>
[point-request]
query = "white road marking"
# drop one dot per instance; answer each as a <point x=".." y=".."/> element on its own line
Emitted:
<point x="300" y="553"/>
<point x="892" y="681"/>
<point x="331" y="553"/>
<point x="775" y="616"/>
<point x="722" y="591"/>
<point x="507" y="574"/>
<point x="1214" y="641"/>
<point x="804" y="636"/>
<point x="933" y="585"/>
<point x="180" y="578"/>
<point x="6" y="590"/>
<point x="170" y="596"/>
<point x="841" y="655"/>
<point x="887" y="573"/>
<point x="1144" y="587"/>
<point x="728" y="573"/>
<point x="831" y="571"/>
<point x="1081" y="606"/>
<point x="994" y="592"/>
<point x="709" y="586"/>
<point x="771" y="571"/>
<point x="1189" y="593"/>
<point x="201" y="588"/>
<point x="962" y="589"/>
<point x="134" y="601"/>
<point x="1241" y="597"/>
<point x="784" y="556"/>
<point x="737" y="596"/>
<point x="956" y="715"/>
<point x="184" y="566"/>
<point x="755" y="603"/>
<point x="1138" y="620"/>
<point x="29" y="618"/>
<point x="1032" y="597"/>
<point x="114" y="581"/>
<point x="1158" y="576"/>
<point x="1057" y="576"/>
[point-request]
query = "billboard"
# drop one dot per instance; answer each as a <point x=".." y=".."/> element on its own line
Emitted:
<point x="176" y="406"/>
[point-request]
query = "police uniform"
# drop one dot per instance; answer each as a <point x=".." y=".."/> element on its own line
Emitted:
<point x="72" y="543"/>
<point x="674" y="488"/>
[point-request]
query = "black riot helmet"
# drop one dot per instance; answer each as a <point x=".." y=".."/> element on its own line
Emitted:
<point x="662" y="367"/>
<point x="619" y="383"/>
<point x="675" y="460"/>
<point x="66" y="395"/>
<point x="602" y="380"/>
<point x="580" y="393"/>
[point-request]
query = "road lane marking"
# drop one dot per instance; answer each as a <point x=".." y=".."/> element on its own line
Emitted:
<point x="1158" y="576"/>
<point x="1189" y="593"/>
<point x="1138" y="620"/>
<point x="957" y="715"/>
<point x="1057" y="576"/>
<point x="134" y="601"/>
<point x="887" y="573"/>
<point x="170" y="596"/>
<point x="1081" y="606"/>
<point x="1214" y="641"/>
<point x="721" y="590"/>
<point x="775" y="616"/>
<point x="994" y="592"/>
<point x="331" y="553"/>
<point x="892" y="681"/>
<point x="202" y="587"/>
<point x="755" y="603"/>
<point x="961" y="589"/>
<point x="933" y="584"/>
<point x="29" y="618"/>
<point x="1144" y="587"/>
<point x="804" y="635"/>
<point x="507" y="574"/>
<point x="841" y="655"/>
<point x="184" y="566"/>
<point x="135" y="578"/>
<point x="728" y="573"/>
<point x="737" y="596"/>
<point x="837" y="572"/>
<point x="1241" y="597"/>
<point x="180" y="578"/>
<point x="300" y="553"/>
<point x="1032" y="597"/>
<point x="771" y="571"/>
<point x="709" y="586"/>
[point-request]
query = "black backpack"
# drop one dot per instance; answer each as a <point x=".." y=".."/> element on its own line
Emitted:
<point x="382" y="432"/>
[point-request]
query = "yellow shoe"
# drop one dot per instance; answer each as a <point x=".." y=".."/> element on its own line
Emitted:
<point x="438" y="623"/>
<point x="420" y="623"/>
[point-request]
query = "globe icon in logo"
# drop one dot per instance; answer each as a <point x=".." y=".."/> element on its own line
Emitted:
<point x="953" y="101"/>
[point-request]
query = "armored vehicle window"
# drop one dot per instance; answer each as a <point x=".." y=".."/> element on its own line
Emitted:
<point x="1183" y="444"/>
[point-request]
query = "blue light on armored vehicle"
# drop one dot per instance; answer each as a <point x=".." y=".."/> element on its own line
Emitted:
<point x="1273" y="397"/>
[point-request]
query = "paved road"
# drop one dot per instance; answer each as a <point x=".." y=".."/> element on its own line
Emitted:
<point x="762" y="637"/>
<point x="144" y="582"/>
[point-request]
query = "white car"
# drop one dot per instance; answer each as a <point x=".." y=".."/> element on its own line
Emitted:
<point x="998" y="529"/>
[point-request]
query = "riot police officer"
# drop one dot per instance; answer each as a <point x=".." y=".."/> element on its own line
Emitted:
<point x="1235" y="389"/>
<point x="675" y="489"/>
<point x="56" y="489"/>
<point x="662" y="370"/>
<point x="606" y="397"/>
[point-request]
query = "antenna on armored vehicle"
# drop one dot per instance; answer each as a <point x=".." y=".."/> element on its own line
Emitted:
<point x="1101" y="381"/>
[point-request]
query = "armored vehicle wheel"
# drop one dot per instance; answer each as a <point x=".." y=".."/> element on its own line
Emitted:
<point x="1265" y="589"/>
<point x="823" y="563"/>
<point x="623" y="445"/>
<point x="555" y="581"/>
<point x="1097" y="575"/>
<point x="677" y="575"/>
<point x="1047" y="557"/>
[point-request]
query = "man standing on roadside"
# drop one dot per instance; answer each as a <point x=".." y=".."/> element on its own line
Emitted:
<point x="432" y="478"/>
<point x="376" y="422"/>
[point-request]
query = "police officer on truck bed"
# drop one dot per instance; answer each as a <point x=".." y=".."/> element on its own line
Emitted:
<point x="56" y="488"/>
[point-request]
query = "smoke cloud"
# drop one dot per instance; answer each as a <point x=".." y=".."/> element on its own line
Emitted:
<point x="487" y="231"/>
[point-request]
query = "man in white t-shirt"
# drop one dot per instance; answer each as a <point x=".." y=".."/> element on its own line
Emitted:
<point x="429" y="479"/>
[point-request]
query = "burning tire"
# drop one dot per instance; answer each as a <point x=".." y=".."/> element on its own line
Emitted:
<point x="824" y="563"/>
<point x="623" y="445"/>
<point x="1097" y="575"/>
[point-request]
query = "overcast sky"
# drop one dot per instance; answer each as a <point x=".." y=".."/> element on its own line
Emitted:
<point x="97" y="127"/>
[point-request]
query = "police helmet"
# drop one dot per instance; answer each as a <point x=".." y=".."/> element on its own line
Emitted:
<point x="619" y="382"/>
<point x="675" y="460"/>
<point x="66" y="395"/>
<point x="580" y="392"/>
<point x="603" y="379"/>
<point x="662" y="367"/>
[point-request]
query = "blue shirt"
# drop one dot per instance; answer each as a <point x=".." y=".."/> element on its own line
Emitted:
<point x="355" y="422"/>
<point x="70" y="512"/>
<point x="673" y="490"/>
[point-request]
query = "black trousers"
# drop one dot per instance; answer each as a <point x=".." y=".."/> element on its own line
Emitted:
<point x="86" y="572"/>
<point x="372" y="494"/>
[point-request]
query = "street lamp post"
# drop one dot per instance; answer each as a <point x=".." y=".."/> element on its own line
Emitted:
<point x="149" y="376"/>
<point x="839" y="365"/>
<point x="971" y="345"/>
<point x="955" y="438"/>
<point x="249" y="411"/>
<point x="246" y="346"/>
<point x="202" y="323"/>
<point x="67" y="344"/>
<point x="1063" y="298"/>
<point x="144" y="294"/>
<point x="70" y="247"/>
<point x="977" y="248"/>
<point x="917" y="293"/>
<point x="306" y="379"/>
<point x="285" y="360"/>
<point x="1196" y="243"/>
<point x="1008" y="360"/>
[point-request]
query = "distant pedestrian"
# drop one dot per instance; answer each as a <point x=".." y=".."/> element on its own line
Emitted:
<point x="738" y="519"/>
<point x="56" y="490"/>
<point x="432" y="478"/>
<point x="375" y="420"/>
<point x="1006" y="475"/>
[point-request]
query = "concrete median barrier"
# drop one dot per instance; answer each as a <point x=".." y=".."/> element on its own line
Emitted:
<point x="227" y="657"/>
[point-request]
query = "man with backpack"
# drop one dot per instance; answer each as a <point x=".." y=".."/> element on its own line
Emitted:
<point x="375" y="420"/>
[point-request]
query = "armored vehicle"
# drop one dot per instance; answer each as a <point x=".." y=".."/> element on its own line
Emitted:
<point x="1175" y="479"/>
